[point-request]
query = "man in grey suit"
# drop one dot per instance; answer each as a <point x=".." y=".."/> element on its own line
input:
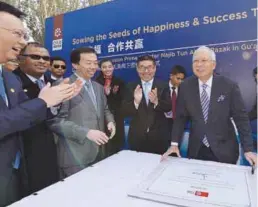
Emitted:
<point x="210" y="102"/>
<point x="80" y="123"/>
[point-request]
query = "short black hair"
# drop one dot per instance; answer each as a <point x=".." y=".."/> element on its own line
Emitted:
<point x="76" y="53"/>
<point x="104" y="61"/>
<point x="176" y="69"/>
<point x="34" y="44"/>
<point x="4" y="7"/>
<point x="146" y="57"/>
<point x="57" y="58"/>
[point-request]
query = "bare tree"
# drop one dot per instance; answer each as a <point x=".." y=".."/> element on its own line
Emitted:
<point x="38" y="10"/>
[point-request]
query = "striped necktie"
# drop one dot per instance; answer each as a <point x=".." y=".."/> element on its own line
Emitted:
<point x="205" y="108"/>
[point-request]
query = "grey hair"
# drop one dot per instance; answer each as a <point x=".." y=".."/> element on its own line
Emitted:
<point x="205" y="49"/>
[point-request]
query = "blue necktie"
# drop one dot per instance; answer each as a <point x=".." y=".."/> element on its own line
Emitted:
<point x="40" y="83"/>
<point x="205" y="108"/>
<point x="146" y="91"/>
<point x="91" y="93"/>
<point x="16" y="163"/>
<point x="2" y="88"/>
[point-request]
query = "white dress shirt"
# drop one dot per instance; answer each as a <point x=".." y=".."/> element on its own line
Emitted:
<point x="148" y="89"/>
<point x="209" y="85"/>
<point x="34" y="80"/>
<point x="55" y="78"/>
<point x="169" y="114"/>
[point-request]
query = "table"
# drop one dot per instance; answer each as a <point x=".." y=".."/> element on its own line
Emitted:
<point x="104" y="184"/>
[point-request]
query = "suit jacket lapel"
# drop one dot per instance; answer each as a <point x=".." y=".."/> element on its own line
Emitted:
<point x="150" y="105"/>
<point x="10" y="90"/>
<point x="30" y="88"/>
<point x="215" y="93"/>
<point x="83" y="93"/>
<point x="97" y="95"/>
<point x="197" y="101"/>
<point x="85" y="96"/>
<point x="143" y="102"/>
<point x="2" y="101"/>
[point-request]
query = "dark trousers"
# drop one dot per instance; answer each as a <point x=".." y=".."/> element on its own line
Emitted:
<point x="9" y="188"/>
<point x="146" y="144"/>
<point x="205" y="153"/>
<point x="117" y="142"/>
<point x="170" y="126"/>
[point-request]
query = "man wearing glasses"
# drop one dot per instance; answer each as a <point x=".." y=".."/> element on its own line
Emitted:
<point x="17" y="113"/>
<point x="58" y="68"/>
<point x="41" y="167"/>
<point x="209" y="102"/>
<point x="146" y="101"/>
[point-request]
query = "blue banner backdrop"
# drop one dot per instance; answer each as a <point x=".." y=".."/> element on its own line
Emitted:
<point x="170" y="31"/>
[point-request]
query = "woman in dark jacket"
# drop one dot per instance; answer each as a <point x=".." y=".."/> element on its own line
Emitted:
<point x="114" y="89"/>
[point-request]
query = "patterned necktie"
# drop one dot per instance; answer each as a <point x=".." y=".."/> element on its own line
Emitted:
<point x="91" y="93"/>
<point x="146" y="91"/>
<point x="2" y="88"/>
<point x="40" y="83"/>
<point x="173" y="98"/>
<point x="205" y="108"/>
<point x="108" y="80"/>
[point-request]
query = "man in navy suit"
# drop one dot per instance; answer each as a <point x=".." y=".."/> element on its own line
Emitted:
<point x="210" y="102"/>
<point x="16" y="113"/>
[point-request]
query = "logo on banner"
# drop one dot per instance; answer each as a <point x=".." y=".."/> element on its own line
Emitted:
<point x="57" y="43"/>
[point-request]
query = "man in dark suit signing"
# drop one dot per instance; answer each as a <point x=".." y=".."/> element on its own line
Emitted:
<point x="210" y="102"/>
<point x="146" y="101"/>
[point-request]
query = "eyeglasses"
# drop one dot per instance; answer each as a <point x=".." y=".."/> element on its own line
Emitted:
<point x="63" y="67"/>
<point x="143" y="68"/>
<point x="18" y="33"/>
<point x="37" y="57"/>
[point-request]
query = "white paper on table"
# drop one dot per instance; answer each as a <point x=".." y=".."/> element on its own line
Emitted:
<point x="191" y="183"/>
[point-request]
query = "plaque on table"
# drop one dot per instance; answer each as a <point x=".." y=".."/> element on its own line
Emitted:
<point x="192" y="183"/>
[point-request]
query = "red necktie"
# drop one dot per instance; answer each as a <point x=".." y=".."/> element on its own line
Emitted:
<point x="107" y="82"/>
<point x="173" y="102"/>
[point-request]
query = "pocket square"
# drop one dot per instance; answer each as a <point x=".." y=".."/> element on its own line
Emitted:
<point x="221" y="98"/>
